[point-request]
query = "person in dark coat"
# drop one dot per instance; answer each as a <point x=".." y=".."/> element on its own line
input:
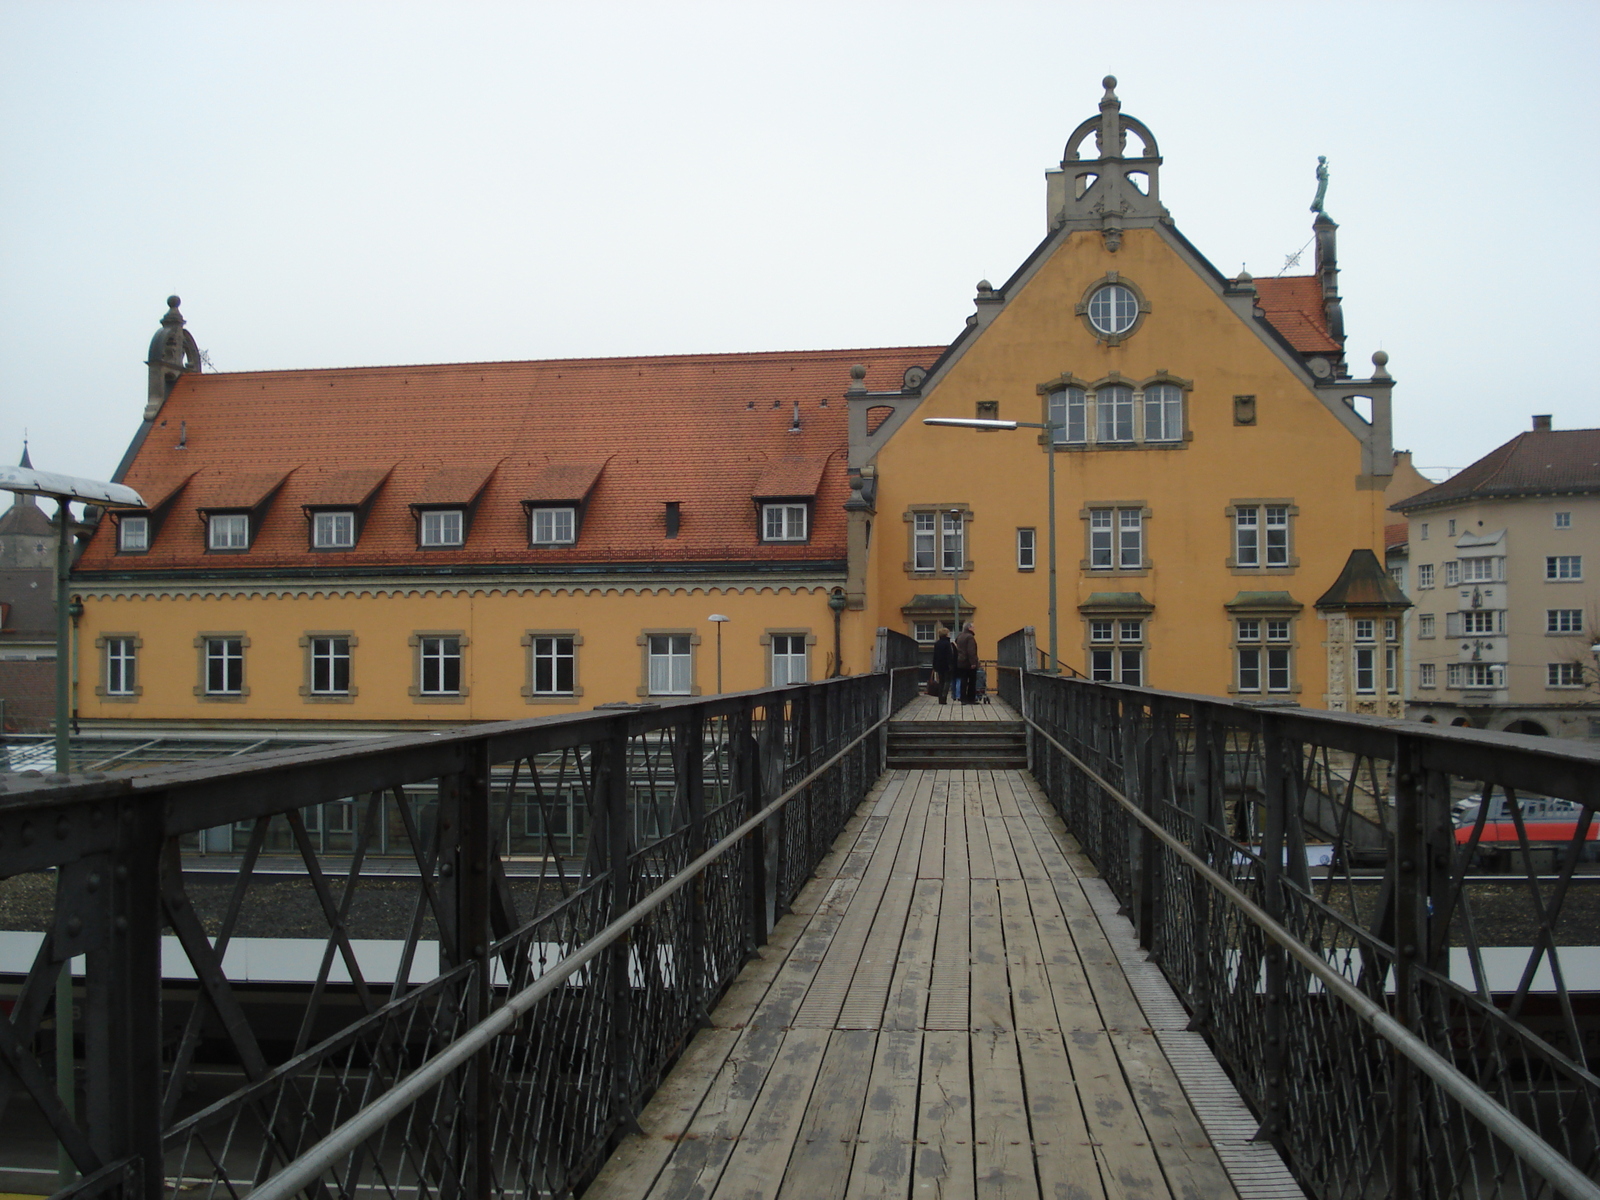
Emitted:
<point x="967" y="664"/>
<point x="944" y="665"/>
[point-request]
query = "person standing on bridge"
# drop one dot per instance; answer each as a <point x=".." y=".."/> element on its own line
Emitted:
<point x="967" y="664"/>
<point x="944" y="665"/>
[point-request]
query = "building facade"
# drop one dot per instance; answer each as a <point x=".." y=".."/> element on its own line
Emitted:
<point x="1503" y="558"/>
<point x="386" y="547"/>
<point x="27" y="616"/>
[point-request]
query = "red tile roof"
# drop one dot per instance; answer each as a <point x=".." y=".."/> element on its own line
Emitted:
<point x="565" y="481"/>
<point x="239" y="489"/>
<point x="1293" y="306"/>
<point x="1539" y="462"/>
<point x="702" y="430"/>
<point x="1395" y="535"/>
<point x="789" y="477"/>
<point x="339" y="489"/>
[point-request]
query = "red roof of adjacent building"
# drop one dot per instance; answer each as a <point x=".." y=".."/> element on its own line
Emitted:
<point x="1539" y="462"/>
<point x="1292" y="304"/>
<point x="625" y="436"/>
<point x="1395" y="535"/>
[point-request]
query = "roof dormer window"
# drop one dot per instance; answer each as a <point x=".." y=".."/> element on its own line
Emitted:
<point x="334" y="530"/>
<point x="133" y="535"/>
<point x="441" y="527"/>
<point x="228" y="531"/>
<point x="783" y="522"/>
<point x="553" y="526"/>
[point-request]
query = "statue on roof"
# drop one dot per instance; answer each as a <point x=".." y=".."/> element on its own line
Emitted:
<point x="1322" y="183"/>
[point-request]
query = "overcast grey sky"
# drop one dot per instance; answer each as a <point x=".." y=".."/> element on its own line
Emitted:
<point x="342" y="184"/>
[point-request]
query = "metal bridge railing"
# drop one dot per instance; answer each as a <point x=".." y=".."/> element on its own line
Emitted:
<point x="567" y="981"/>
<point x="1414" y="1029"/>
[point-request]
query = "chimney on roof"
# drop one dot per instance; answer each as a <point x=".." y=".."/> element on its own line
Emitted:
<point x="1541" y="422"/>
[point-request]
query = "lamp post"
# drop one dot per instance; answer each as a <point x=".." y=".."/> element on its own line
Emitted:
<point x="719" y="621"/>
<point x="955" y="573"/>
<point x="64" y="489"/>
<point x="838" y="602"/>
<point x="1050" y="428"/>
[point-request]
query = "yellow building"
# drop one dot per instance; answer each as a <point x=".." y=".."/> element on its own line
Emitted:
<point x="382" y="547"/>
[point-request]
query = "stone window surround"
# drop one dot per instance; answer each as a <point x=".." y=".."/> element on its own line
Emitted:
<point x="101" y="644"/>
<point x="1143" y="308"/>
<point x="1262" y="502"/>
<point x="765" y="641"/>
<point x="306" y="694"/>
<point x="1146" y="565"/>
<point x="1090" y="388"/>
<point x="910" y="518"/>
<point x="415" y="690"/>
<point x="1292" y="645"/>
<point x="529" y="696"/>
<point x="200" y="642"/>
<point x="643" y="642"/>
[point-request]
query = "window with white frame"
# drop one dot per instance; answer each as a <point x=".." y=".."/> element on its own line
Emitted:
<point x="1482" y="570"/>
<point x="333" y="530"/>
<point x="783" y="522"/>
<point x="1116" y="650"/>
<point x="1423" y="531"/>
<point x="1261" y="536"/>
<point x="1452" y="574"/>
<point x="553" y="665"/>
<point x="1116" y="539"/>
<point x="1563" y="520"/>
<point x="133" y="535"/>
<point x="1564" y="675"/>
<point x="224" y="666"/>
<point x="788" y="658"/>
<point x="1366" y="675"/>
<point x="1425" y="625"/>
<point x="671" y="664"/>
<point x="1391" y="669"/>
<point x="121" y="666"/>
<point x="1563" y="566"/>
<point x="1450" y="527"/>
<point x="925" y="632"/>
<point x="1398" y="574"/>
<point x="228" y="531"/>
<point x="1263" y="654"/>
<point x="1427" y="676"/>
<point x="1475" y="675"/>
<point x="441" y="527"/>
<point x="330" y="666"/>
<point x="1475" y="622"/>
<point x="1113" y="309"/>
<point x="439" y="665"/>
<point x="1424" y="576"/>
<point x="1563" y="620"/>
<point x="553" y="526"/>
<point x="936" y="541"/>
<point x="1117" y="414"/>
<point x="1027" y="544"/>
<point x="1365" y="629"/>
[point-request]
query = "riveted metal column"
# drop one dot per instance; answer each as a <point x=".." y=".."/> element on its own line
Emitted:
<point x="1207" y="812"/>
<point x="747" y="762"/>
<point x="690" y="770"/>
<point x="122" y="1029"/>
<point x="1410" y="941"/>
<point x="1276" y="760"/>
<point x="611" y="784"/>
<point x="471" y="809"/>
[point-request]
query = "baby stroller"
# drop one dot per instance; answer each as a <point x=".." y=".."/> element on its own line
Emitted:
<point x="981" y="686"/>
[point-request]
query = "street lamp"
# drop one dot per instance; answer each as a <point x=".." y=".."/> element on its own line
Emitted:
<point x="955" y="569"/>
<point x="838" y="602"/>
<point x="1050" y="428"/>
<point x="719" y="620"/>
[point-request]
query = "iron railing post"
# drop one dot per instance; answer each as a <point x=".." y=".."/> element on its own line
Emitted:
<point x="747" y="756"/>
<point x="1410" y="939"/>
<point x="1207" y="812"/>
<point x="611" y="785"/>
<point x="470" y="794"/>
<point x="692" y="779"/>
<point x="122" y="1029"/>
<point x="1275" y="795"/>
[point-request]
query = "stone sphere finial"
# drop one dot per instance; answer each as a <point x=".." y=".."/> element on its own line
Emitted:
<point x="858" y="372"/>
<point x="1109" y="82"/>
<point x="173" y="302"/>
<point x="984" y="287"/>
<point x="1380" y="359"/>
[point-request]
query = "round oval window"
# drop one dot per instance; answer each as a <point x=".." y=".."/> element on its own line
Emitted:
<point x="1113" y="309"/>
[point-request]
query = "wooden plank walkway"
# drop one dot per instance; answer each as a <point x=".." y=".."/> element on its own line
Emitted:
<point x="946" y="1013"/>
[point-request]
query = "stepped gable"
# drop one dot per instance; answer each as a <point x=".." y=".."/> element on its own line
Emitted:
<point x="708" y="432"/>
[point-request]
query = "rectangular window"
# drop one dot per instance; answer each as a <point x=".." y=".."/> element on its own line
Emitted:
<point x="554" y="526"/>
<point x="1247" y="537"/>
<point x="133" y="534"/>
<point x="1424" y="575"/>
<point x="1025" y="549"/>
<point x="1366" y="678"/>
<point x="1564" y="675"/>
<point x="1277" y="670"/>
<point x="1277" y="631"/>
<point x="333" y="530"/>
<point x="1116" y="653"/>
<point x="1563" y="520"/>
<point x="922" y="538"/>
<point x="1424" y="531"/>
<point x="1425" y="625"/>
<point x="1364" y="629"/>
<point x="1163" y="413"/>
<point x="1130" y="631"/>
<point x="1452" y="574"/>
<point x="1475" y="675"/>
<point x="1277" y="531"/>
<point x="441" y="527"/>
<point x="121" y="667"/>
<point x="1480" y="570"/>
<point x="1398" y="574"/>
<point x="1563" y="620"/>
<point x="1100" y="631"/>
<point x="1391" y="630"/>
<point x="1270" y="668"/>
<point x="1068" y="409"/>
<point x="1116" y="539"/>
<point x="1563" y="566"/>
<point x="925" y="632"/>
<point x="224" y="666"/>
<point x="783" y="522"/>
<point x="1261" y="536"/>
<point x="788" y="658"/>
<point x="1114" y="406"/>
<point x="441" y="666"/>
<point x="1249" y="669"/>
<point x="228" y="531"/>
<point x="330" y="666"/>
<point x="1391" y="667"/>
<point x="951" y="550"/>
<point x="555" y="666"/>
<point x="1482" y="620"/>
<point x="1450" y="528"/>
<point x="671" y="665"/>
<point x="1426" y="676"/>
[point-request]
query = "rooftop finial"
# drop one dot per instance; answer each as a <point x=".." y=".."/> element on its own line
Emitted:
<point x="1109" y="100"/>
<point x="26" y="461"/>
